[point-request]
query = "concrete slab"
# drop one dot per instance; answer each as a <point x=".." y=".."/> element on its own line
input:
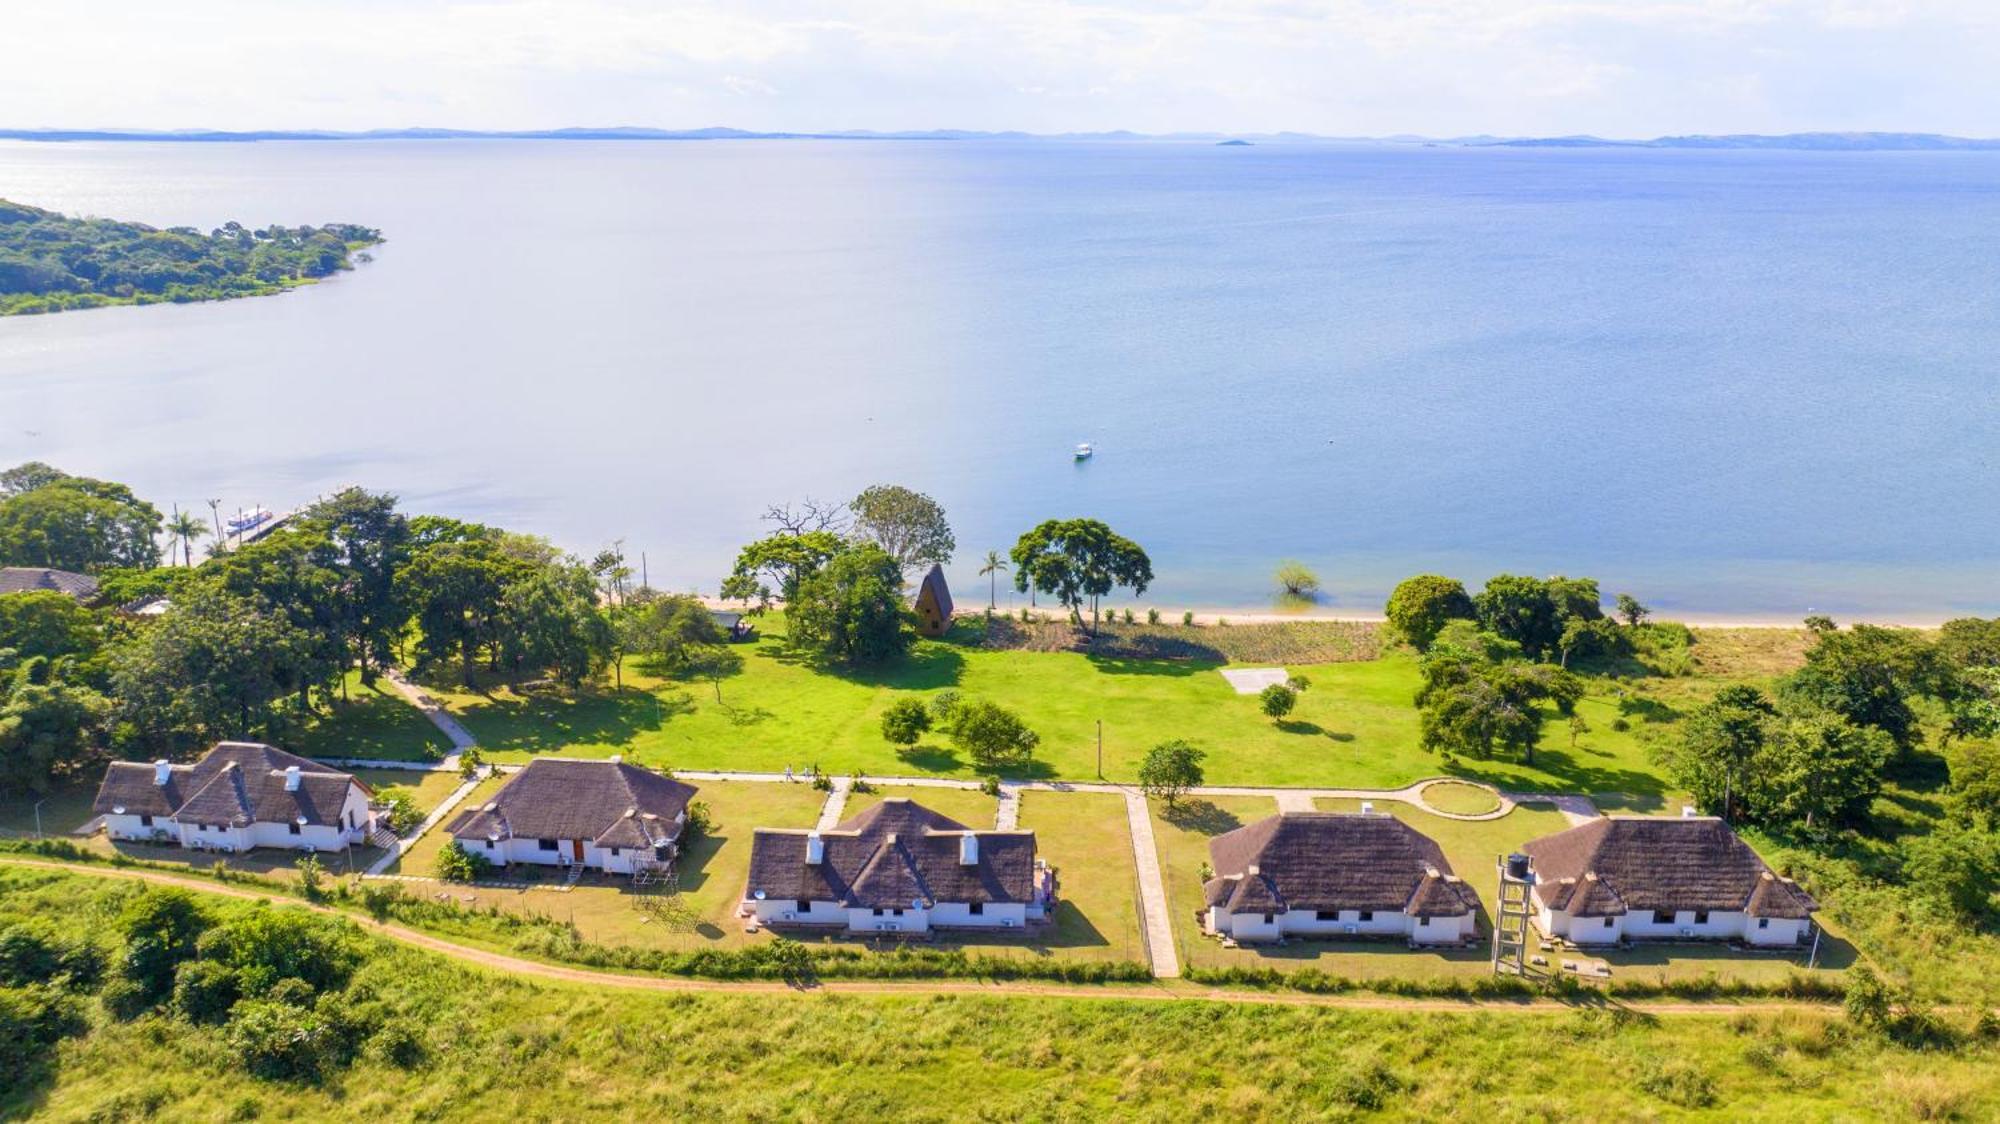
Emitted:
<point x="1250" y="680"/>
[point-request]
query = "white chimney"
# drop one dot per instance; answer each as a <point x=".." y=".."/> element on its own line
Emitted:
<point x="968" y="849"/>
<point x="161" y="771"/>
<point x="1687" y="811"/>
<point x="1367" y="807"/>
<point x="291" y="778"/>
<point x="815" y="849"/>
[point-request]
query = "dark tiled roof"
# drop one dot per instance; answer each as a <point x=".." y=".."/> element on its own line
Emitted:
<point x="1619" y="863"/>
<point x="934" y="584"/>
<point x="29" y="579"/>
<point x="1331" y="861"/>
<point x="609" y="803"/>
<point x="236" y="783"/>
<point x="891" y="855"/>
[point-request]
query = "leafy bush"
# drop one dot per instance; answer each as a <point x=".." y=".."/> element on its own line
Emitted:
<point x="1152" y="616"/>
<point x="993" y="736"/>
<point x="700" y="821"/>
<point x="1678" y="1082"/>
<point x="268" y="946"/>
<point x="905" y="721"/>
<point x="456" y="864"/>
<point x="32" y="1021"/>
<point x="281" y="1042"/>
<point x="161" y="928"/>
<point x="1277" y="700"/>
<point x="400" y="812"/>
<point x="205" y="990"/>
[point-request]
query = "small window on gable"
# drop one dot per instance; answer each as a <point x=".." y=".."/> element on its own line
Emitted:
<point x="292" y="828"/>
<point x="1270" y="917"/>
<point x="489" y="844"/>
<point x="145" y="821"/>
<point x="978" y="908"/>
<point x="803" y="906"/>
<point x="1763" y="922"/>
<point x="1607" y="922"/>
<point x="614" y="852"/>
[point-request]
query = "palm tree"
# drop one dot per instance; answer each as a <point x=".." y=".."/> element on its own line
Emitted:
<point x="995" y="566"/>
<point x="187" y="528"/>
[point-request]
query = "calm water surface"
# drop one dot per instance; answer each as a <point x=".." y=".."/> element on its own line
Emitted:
<point x="1734" y="383"/>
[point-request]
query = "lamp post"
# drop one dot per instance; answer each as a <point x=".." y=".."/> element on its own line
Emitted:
<point x="38" y="817"/>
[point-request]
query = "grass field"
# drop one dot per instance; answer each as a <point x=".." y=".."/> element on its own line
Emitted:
<point x="374" y="722"/>
<point x="968" y="806"/>
<point x="1354" y="727"/>
<point x="488" y="1046"/>
<point x="1083" y="835"/>
<point x="1462" y="799"/>
<point x="427" y="789"/>
<point x="421" y="858"/>
<point x="62" y="810"/>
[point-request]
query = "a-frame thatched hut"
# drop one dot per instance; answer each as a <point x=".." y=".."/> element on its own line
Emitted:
<point x="933" y="604"/>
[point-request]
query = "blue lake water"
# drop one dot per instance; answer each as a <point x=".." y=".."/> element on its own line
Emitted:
<point x="1734" y="383"/>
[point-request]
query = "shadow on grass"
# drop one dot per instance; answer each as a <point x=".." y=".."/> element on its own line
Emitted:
<point x="1564" y="774"/>
<point x="1201" y="816"/>
<point x="1312" y="729"/>
<point x="544" y="722"/>
<point x="930" y="758"/>
<point x="1646" y="709"/>
<point x="929" y="666"/>
<point x="1107" y="664"/>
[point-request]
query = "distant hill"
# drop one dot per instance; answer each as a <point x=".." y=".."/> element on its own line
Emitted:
<point x="1812" y="142"/>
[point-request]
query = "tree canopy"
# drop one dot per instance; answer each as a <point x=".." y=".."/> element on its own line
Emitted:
<point x="1074" y="559"/>
<point x="50" y="518"/>
<point x="909" y="526"/>
<point x="852" y="610"/>
<point x="1421" y="606"/>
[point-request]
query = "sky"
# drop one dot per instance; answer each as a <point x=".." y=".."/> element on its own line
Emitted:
<point x="1628" y="68"/>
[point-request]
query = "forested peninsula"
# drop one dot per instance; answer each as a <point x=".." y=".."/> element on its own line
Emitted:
<point x="52" y="263"/>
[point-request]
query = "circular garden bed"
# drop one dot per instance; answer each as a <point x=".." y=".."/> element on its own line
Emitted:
<point x="1459" y="798"/>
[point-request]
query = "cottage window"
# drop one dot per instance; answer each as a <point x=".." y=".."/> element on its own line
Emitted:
<point x="145" y="821"/>
<point x="489" y="844"/>
<point x="878" y="911"/>
<point x="546" y="844"/>
<point x="614" y="852"/>
<point x="895" y="913"/>
<point x="1763" y="922"/>
<point x="1663" y="917"/>
<point x="977" y="908"/>
<point x="803" y="906"/>
<point x="1701" y="917"/>
<point x="1270" y="917"/>
<point x="1607" y="922"/>
<point x="292" y="828"/>
<point x="1365" y="915"/>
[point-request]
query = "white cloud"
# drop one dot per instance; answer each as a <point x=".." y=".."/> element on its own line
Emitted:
<point x="1334" y="66"/>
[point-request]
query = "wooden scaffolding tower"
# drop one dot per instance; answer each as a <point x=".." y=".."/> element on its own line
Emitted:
<point x="1511" y="921"/>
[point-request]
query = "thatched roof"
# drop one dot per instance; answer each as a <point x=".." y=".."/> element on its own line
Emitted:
<point x="32" y="579"/>
<point x="892" y="856"/>
<point x="608" y="803"/>
<point x="234" y="784"/>
<point x="1333" y="861"/>
<point x="935" y="587"/>
<point x="1617" y="864"/>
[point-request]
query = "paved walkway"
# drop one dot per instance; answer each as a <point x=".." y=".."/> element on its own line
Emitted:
<point x="436" y="817"/>
<point x="1158" y="914"/>
<point x="461" y="738"/>
<point x="1008" y="816"/>
<point x="836" y="803"/>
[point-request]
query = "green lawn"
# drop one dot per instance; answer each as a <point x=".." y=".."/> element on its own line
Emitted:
<point x="427" y="789"/>
<point x="1356" y="725"/>
<point x="374" y="722"/>
<point x="63" y="809"/>
<point x="1083" y="835"/>
<point x="1462" y="799"/>
<point x="968" y="806"/>
<point x="422" y="855"/>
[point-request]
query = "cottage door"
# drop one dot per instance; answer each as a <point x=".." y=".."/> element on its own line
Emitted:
<point x="576" y="849"/>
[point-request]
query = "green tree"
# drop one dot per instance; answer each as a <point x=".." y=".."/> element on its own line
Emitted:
<point x="1870" y="675"/>
<point x="788" y="559"/>
<point x="1078" y="558"/>
<point x="46" y="623"/>
<point x="1975" y="782"/>
<point x="1421" y="606"/>
<point x="1956" y="866"/>
<point x="456" y="864"/>
<point x="161" y="928"/>
<point x="905" y="721"/>
<point x="991" y="569"/>
<point x="909" y="526"/>
<point x="1631" y="611"/>
<point x="1170" y="770"/>
<point x="550" y="622"/>
<point x="993" y="736"/>
<point x="452" y="587"/>
<point x="1296" y="580"/>
<point x="286" y="574"/>
<point x="1482" y="710"/>
<point x="1521" y="609"/>
<point x="1276" y="701"/>
<point x="1818" y="769"/>
<point x="1720" y="743"/>
<point x="185" y="527"/>
<point x="673" y="632"/>
<point x="1590" y="637"/>
<point x="77" y="523"/>
<point x="1971" y="642"/>
<point x="366" y="540"/>
<point x="852" y="610"/>
<point x="208" y="671"/>
<point x="49" y="728"/>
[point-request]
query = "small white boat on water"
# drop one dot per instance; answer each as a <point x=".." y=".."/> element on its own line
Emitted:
<point x="249" y="520"/>
<point x="1084" y="451"/>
